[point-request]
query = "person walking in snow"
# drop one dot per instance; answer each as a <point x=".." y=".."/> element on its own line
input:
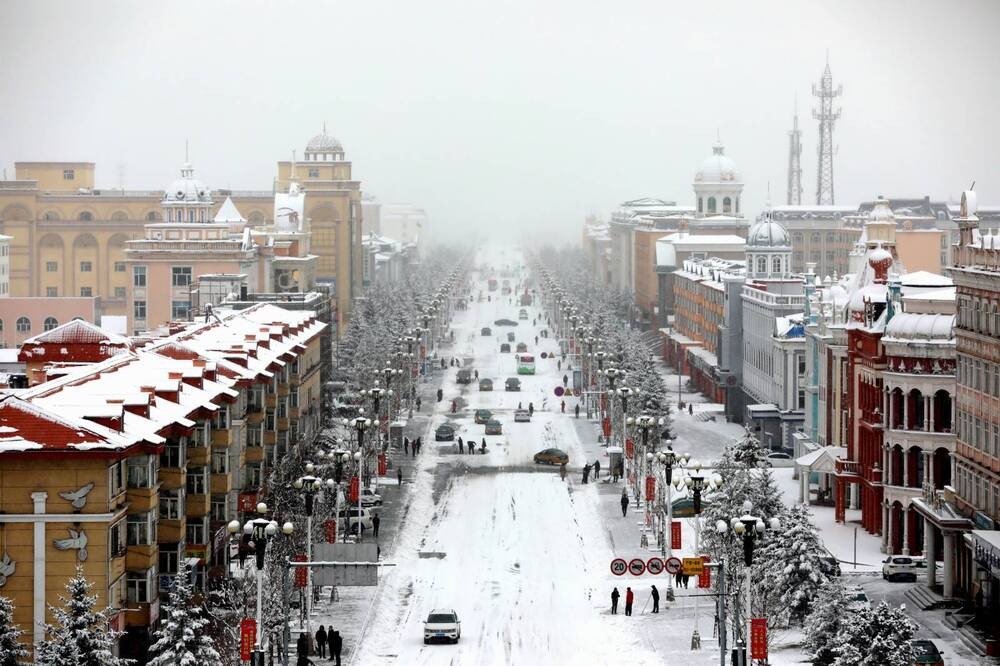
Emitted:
<point x="629" y="598"/>
<point x="562" y="406"/>
<point x="624" y="502"/>
<point x="461" y="445"/>
<point x="420" y="444"/>
<point x="483" y="450"/>
<point x="376" y="521"/>
<point x="656" y="599"/>
<point x="597" y="469"/>
<point x="336" y="645"/>
<point x="406" y="445"/>
<point x="565" y="380"/>
<point x="614" y="601"/>
<point x="586" y="472"/>
<point x="418" y="404"/>
<point x="321" y="641"/>
<point x="531" y="409"/>
<point x="576" y="410"/>
<point x="678" y="579"/>
<point x="558" y="365"/>
<point x="562" y="471"/>
<point x="399" y="475"/>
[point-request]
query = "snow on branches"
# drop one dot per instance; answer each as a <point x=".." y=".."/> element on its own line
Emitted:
<point x="181" y="639"/>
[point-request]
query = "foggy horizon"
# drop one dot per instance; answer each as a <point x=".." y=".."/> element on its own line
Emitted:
<point x="519" y="119"/>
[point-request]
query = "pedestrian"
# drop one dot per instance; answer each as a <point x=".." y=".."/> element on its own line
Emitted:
<point x="454" y="406"/>
<point x="376" y="521"/>
<point x="302" y="646"/>
<point x="629" y="598"/>
<point x="440" y="394"/>
<point x="321" y="641"/>
<point x="678" y="579"/>
<point x="519" y="406"/>
<point x="484" y="446"/>
<point x="536" y="339"/>
<point x="420" y="444"/>
<point x="562" y="406"/>
<point x="476" y="373"/>
<point x="461" y="445"/>
<point x="559" y="365"/>
<point x="418" y="404"/>
<point x="690" y="408"/>
<point x="565" y="380"/>
<point x="577" y="410"/>
<point x="614" y="473"/>
<point x="336" y="644"/>
<point x="614" y="601"/>
<point x="656" y="599"/>
<point x="586" y="472"/>
<point x="531" y="409"/>
<point x="597" y="469"/>
<point x="562" y="471"/>
<point x="406" y="445"/>
<point x="686" y="578"/>
<point x="399" y="475"/>
<point x="624" y="502"/>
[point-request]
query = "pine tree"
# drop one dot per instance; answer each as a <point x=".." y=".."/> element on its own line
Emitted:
<point x="181" y="639"/>
<point x="875" y="636"/>
<point x="81" y="636"/>
<point x="825" y="622"/>
<point x="11" y="650"/>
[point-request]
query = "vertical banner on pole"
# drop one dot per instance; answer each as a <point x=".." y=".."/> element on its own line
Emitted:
<point x="330" y="529"/>
<point x="705" y="578"/>
<point x="758" y="638"/>
<point x="675" y="534"/>
<point x="606" y="426"/>
<point x="650" y="488"/>
<point x="301" y="573"/>
<point x="383" y="464"/>
<point x="354" y="489"/>
<point x="629" y="448"/>
<point x="248" y="636"/>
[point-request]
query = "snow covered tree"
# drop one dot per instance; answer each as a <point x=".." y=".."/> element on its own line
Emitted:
<point x="11" y="650"/>
<point x="181" y="639"/>
<point x="81" y="636"/>
<point x="875" y="636"/>
<point x="825" y="622"/>
<point x="793" y="565"/>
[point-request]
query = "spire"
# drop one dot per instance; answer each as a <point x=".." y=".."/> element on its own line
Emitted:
<point x="794" y="194"/>
<point x="187" y="157"/>
<point x="827" y="117"/>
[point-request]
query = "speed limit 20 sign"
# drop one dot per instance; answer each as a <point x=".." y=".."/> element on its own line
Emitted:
<point x="619" y="566"/>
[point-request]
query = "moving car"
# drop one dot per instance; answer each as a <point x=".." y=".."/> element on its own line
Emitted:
<point x="899" y="567"/>
<point x="442" y="625"/>
<point x="521" y="347"/>
<point x="510" y="336"/>
<point x="493" y="427"/>
<point x="486" y="331"/>
<point x="926" y="653"/>
<point x="512" y="384"/>
<point x="483" y="415"/>
<point x="350" y="514"/>
<point x="779" y="459"/>
<point x="522" y="315"/>
<point x="464" y="376"/>
<point x="444" y="433"/>
<point x="551" y="457"/>
<point x="505" y="348"/>
<point x="505" y="322"/>
<point x="522" y="416"/>
<point x="485" y="384"/>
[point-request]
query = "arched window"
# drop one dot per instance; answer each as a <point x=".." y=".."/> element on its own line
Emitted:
<point x="86" y="216"/>
<point x="50" y="323"/>
<point x="700" y="205"/>
<point x="711" y="205"/>
<point x="50" y="215"/>
<point x="727" y="205"/>
<point x="761" y="265"/>
<point x="152" y="216"/>
<point x="119" y="216"/>
<point x="776" y="265"/>
<point x="23" y="325"/>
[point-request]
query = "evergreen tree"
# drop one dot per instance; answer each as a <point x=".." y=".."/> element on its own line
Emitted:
<point x="825" y="622"/>
<point x="875" y="636"/>
<point x="182" y="639"/>
<point x="11" y="650"/>
<point x="81" y="636"/>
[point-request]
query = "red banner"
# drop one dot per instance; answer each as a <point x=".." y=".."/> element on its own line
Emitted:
<point x="606" y="426"/>
<point x="248" y="636"/>
<point x="675" y="534"/>
<point x="354" y="489"/>
<point x="604" y="405"/>
<point x="383" y="464"/>
<point x="247" y="502"/>
<point x="301" y="573"/>
<point x="629" y="448"/>
<point x="758" y="638"/>
<point x="705" y="578"/>
<point x="650" y="488"/>
<point x="330" y="527"/>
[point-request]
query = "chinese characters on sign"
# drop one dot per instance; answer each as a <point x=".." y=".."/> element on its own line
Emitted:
<point x="650" y="488"/>
<point x="675" y="534"/>
<point x="248" y="636"/>
<point x="758" y="638"/>
<point x="301" y="573"/>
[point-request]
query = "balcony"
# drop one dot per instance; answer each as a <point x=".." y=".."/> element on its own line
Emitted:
<point x="172" y="478"/>
<point x="270" y="437"/>
<point x="848" y="467"/>
<point x="198" y="457"/>
<point x="254" y="417"/>
<point x="142" y="615"/>
<point x="283" y="390"/>
<point x="171" y="531"/>
<point x="282" y="423"/>
<point x="142" y="557"/>
<point x="255" y="454"/>
<point x="198" y="506"/>
<point x="143" y="499"/>
<point x="926" y="440"/>
<point x="271" y="401"/>
<point x="221" y="483"/>
<point x="220" y="439"/>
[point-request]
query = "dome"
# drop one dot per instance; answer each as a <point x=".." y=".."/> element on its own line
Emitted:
<point x="881" y="212"/>
<point x="717" y="168"/>
<point x="187" y="188"/>
<point x="768" y="234"/>
<point x="324" y="143"/>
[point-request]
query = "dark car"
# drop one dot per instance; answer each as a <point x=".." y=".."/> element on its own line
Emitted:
<point x="505" y="322"/>
<point x="926" y="653"/>
<point x="494" y="427"/>
<point x="512" y="384"/>
<point x="486" y="331"/>
<point x="510" y="336"/>
<point x="552" y="457"/>
<point x="464" y="376"/>
<point x="521" y="348"/>
<point x="485" y="384"/>
<point x="505" y="348"/>
<point x="444" y="433"/>
<point x="483" y="415"/>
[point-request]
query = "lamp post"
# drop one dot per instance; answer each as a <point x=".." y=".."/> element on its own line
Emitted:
<point x="695" y="482"/>
<point x="361" y="424"/>
<point x="309" y="485"/>
<point x="261" y="531"/>
<point x="645" y="423"/>
<point x="624" y="393"/>
<point x="599" y="356"/>
<point x="670" y="459"/>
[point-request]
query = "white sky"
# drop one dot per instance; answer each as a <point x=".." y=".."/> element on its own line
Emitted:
<point x="522" y="115"/>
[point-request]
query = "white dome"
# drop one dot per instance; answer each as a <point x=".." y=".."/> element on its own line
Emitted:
<point x="768" y="234"/>
<point x="881" y="212"/>
<point x="718" y="168"/>
<point x="323" y="143"/>
<point x="187" y="188"/>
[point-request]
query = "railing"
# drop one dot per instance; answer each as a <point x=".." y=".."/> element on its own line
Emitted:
<point x="847" y="466"/>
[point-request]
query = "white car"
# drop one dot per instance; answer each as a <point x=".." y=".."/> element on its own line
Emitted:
<point x="522" y="416"/>
<point x="350" y="514"/>
<point x="370" y="498"/>
<point x="442" y="625"/>
<point x="899" y="567"/>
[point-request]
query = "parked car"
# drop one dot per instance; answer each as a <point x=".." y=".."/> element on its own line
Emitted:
<point x="444" y="433"/>
<point x="485" y="384"/>
<point x="857" y="598"/>
<point x="512" y="384"/>
<point x="369" y="498"/>
<point x="494" y="427"/>
<point x="351" y="515"/>
<point x="683" y="507"/>
<point x="779" y="459"/>
<point x="925" y="653"/>
<point x="505" y="322"/>
<point x="522" y="348"/>
<point x="483" y="415"/>
<point x="522" y="416"/>
<point x="442" y="625"/>
<point x="464" y="376"/>
<point x="523" y="315"/>
<point x="505" y="348"/>
<point x="486" y="331"/>
<point x="551" y="457"/>
<point x="899" y="567"/>
<point x="510" y="336"/>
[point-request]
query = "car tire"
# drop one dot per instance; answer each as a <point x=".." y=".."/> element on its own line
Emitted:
<point x="426" y="642"/>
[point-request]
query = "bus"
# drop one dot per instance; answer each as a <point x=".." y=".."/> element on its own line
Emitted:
<point x="525" y="364"/>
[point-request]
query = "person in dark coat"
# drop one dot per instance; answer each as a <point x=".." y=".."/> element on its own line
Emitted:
<point x="656" y="599"/>
<point x="586" y="472"/>
<point x="678" y="579"/>
<point x="577" y="410"/>
<point x="399" y="475"/>
<point x="406" y="445"/>
<point x="597" y="469"/>
<point x="321" y="641"/>
<point x="461" y="445"/>
<point x="629" y="598"/>
<point x="614" y="601"/>
<point x="336" y="644"/>
<point x="686" y="578"/>
<point x="565" y="380"/>
<point x="376" y="521"/>
<point x="302" y="647"/>
<point x="624" y="502"/>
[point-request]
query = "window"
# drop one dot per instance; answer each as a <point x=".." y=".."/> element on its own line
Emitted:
<point x="138" y="276"/>
<point x="116" y="478"/>
<point x="313" y="173"/>
<point x="86" y="292"/>
<point x="119" y="267"/>
<point x="761" y="265"/>
<point x="699" y="204"/>
<point x="141" y="529"/>
<point x="52" y="292"/>
<point x="86" y="216"/>
<point x="116" y="539"/>
<point x="196" y="532"/>
<point x="254" y="436"/>
<point x="152" y="216"/>
<point x="51" y="266"/>
<point x="173" y="455"/>
<point x="139" y="310"/>
<point x="220" y="461"/>
<point x="221" y="421"/>
<point x="49" y="324"/>
<point x="197" y="482"/>
<point x="86" y="267"/>
<point x="142" y="472"/>
<point x="23" y="325"/>
<point x="727" y="205"/>
<point x="180" y="276"/>
<point x="69" y="174"/>
<point x="711" y="205"/>
<point x="254" y="476"/>
<point x="776" y="265"/>
<point x="171" y="504"/>
<point x="120" y="292"/>
<point x="179" y="309"/>
<point x="138" y="585"/>
<point x="168" y="562"/>
<point x="220" y="508"/>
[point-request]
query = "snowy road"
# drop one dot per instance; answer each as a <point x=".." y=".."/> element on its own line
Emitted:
<point x="515" y="550"/>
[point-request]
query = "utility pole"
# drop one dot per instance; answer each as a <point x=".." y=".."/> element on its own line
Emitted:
<point x="794" y="161"/>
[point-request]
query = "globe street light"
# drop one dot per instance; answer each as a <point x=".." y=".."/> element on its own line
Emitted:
<point x="670" y="459"/>
<point x="261" y="531"/>
<point x="309" y="485"/>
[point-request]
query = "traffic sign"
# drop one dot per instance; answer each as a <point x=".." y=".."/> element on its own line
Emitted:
<point x="636" y="567"/>
<point x="654" y="566"/>
<point x="619" y="566"/>
<point x="559" y="390"/>
<point x="673" y="566"/>
<point x="692" y="566"/>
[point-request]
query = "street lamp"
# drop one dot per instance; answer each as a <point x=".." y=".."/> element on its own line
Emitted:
<point x="261" y="531"/>
<point x="670" y="459"/>
<point x="309" y="485"/>
<point x="361" y="424"/>
<point x="695" y="482"/>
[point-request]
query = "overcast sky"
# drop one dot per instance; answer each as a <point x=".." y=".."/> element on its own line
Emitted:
<point x="507" y="115"/>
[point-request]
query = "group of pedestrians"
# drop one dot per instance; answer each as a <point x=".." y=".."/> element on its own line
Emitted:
<point x="596" y="467"/>
<point x="325" y="640"/>
<point x="630" y="599"/>
<point x="411" y="448"/>
<point x="471" y="446"/>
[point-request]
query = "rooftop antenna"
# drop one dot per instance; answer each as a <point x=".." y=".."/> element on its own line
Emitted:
<point x="794" y="194"/>
<point x="293" y="156"/>
<point x="187" y="157"/>
<point x="827" y="117"/>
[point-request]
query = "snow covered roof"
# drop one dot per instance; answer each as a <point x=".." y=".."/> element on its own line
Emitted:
<point x="289" y="208"/>
<point x="28" y="427"/>
<point x="717" y="168"/>
<point x="925" y="279"/>
<point x="229" y="213"/>
<point x="667" y="247"/>
<point x="912" y="327"/>
<point x="822" y="459"/>
<point x="78" y="331"/>
<point x="76" y="340"/>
